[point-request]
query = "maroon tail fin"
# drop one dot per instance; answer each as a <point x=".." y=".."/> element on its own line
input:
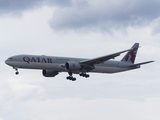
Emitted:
<point x="131" y="55"/>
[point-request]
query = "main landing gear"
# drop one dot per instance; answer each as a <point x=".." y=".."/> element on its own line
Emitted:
<point x="84" y="75"/>
<point x="70" y="77"/>
<point x="16" y="69"/>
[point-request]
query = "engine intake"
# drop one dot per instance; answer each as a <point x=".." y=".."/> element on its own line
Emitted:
<point x="49" y="73"/>
<point x="72" y="66"/>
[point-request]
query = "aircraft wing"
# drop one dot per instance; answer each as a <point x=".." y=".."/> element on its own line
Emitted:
<point x="101" y="59"/>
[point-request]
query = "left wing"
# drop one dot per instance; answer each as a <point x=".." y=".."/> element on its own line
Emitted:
<point x="101" y="59"/>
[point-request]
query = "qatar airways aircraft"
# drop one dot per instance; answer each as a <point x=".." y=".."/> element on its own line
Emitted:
<point x="52" y="65"/>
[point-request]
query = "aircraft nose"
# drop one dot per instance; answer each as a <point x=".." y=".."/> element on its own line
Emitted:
<point x="7" y="62"/>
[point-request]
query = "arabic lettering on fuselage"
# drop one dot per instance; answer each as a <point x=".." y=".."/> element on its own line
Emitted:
<point x="37" y="59"/>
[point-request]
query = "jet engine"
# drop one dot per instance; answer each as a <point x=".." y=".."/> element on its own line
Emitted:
<point x="49" y="73"/>
<point x="72" y="66"/>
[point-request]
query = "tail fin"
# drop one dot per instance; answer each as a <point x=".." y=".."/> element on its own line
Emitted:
<point x="131" y="55"/>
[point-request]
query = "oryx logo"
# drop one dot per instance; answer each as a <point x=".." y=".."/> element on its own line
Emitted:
<point x="131" y="55"/>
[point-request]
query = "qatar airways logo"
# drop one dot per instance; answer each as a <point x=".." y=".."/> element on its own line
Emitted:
<point x="37" y="59"/>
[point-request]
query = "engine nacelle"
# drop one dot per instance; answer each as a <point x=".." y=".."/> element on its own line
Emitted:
<point x="49" y="73"/>
<point x="72" y="66"/>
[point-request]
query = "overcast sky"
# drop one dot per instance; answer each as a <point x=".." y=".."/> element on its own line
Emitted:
<point x="87" y="29"/>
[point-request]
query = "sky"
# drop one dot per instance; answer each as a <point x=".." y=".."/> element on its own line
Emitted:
<point x="87" y="29"/>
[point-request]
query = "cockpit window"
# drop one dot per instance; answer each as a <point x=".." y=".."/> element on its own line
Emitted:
<point x="10" y="58"/>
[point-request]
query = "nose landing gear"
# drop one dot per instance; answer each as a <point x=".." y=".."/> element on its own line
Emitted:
<point x="16" y="69"/>
<point x="17" y="73"/>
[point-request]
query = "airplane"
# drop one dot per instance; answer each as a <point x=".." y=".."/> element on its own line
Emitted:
<point x="53" y="65"/>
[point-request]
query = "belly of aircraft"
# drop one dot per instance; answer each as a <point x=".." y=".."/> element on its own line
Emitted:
<point x="105" y="69"/>
<point x="61" y="68"/>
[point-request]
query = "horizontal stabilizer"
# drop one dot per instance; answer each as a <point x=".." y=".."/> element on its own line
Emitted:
<point x="138" y="64"/>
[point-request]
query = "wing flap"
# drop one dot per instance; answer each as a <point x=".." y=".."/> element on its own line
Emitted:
<point x="101" y="59"/>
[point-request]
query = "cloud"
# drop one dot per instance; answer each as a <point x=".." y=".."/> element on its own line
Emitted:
<point x="60" y="3"/>
<point x="155" y="25"/>
<point x="10" y="6"/>
<point x="79" y="109"/>
<point x="18" y="6"/>
<point x="90" y="14"/>
<point x="32" y="96"/>
<point x="105" y="15"/>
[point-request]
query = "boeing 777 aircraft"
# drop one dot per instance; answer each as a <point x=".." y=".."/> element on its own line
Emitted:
<point x="52" y="65"/>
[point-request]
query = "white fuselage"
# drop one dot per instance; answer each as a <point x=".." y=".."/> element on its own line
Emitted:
<point x="58" y="64"/>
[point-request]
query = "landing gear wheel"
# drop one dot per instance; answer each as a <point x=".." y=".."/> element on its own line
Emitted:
<point x="84" y="75"/>
<point x="17" y="73"/>
<point x="16" y="69"/>
<point x="71" y="78"/>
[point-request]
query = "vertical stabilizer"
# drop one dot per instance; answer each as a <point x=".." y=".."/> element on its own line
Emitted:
<point x="131" y="55"/>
